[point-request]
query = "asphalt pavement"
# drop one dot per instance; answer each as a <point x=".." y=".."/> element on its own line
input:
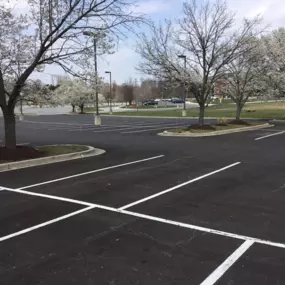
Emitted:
<point x="151" y="210"/>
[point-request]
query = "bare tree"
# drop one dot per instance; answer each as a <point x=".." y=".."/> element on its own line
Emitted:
<point x="244" y="76"/>
<point x="51" y="34"/>
<point x="205" y="37"/>
<point x="128" y="92"/>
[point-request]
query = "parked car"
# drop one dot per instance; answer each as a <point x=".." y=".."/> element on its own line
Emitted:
<point x="150" y="103"/>
<point x="177" y="101"/>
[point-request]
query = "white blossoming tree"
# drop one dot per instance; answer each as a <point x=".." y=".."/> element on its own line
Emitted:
<point x="205" y="37"/>
<point x="274" y="50"/>
<point x="76" y="93"/>
<point x="51" y="33"/>
<point x="245" y="75"/>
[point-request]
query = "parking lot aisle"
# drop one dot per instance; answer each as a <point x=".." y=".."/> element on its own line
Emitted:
<point x="122" y="186"/>
<point x="18" y="211"/>
<point x="260" y="265"/>
<point x="141" y="127"/>
<point x="270" y="135"/>
<point x="110" y="248"/>
<point x="155" y="129"/>
<point x="74" y="169"/>
<point x="247" y="200"/>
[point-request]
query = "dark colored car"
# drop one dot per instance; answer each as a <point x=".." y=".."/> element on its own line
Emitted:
<point x="177" y="101"/>
<point x="150" y="103"/>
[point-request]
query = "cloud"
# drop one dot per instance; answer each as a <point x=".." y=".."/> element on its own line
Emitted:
<point x="272" y="11"/>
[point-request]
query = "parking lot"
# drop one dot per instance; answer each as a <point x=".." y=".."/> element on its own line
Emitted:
<point x="151" y="210"/>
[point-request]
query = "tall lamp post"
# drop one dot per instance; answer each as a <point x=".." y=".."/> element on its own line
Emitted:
<point x="184" y="111"/>
<point x="110" y="99"/>
<point x="97" y="119"/>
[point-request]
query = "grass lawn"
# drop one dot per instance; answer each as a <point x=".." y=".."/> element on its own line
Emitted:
<point x="90" y="109"/>
<point x="264" y="110"/>
<point x="60" y="149"/>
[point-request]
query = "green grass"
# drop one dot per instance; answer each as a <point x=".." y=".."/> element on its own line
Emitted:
<point x="61" y="149"/>
<point x="228" y="110"/>
<point x="90" y="109"/>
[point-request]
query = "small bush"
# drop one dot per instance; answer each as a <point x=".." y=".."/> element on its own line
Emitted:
<point x="222" y="121"/>
<point x="250" y="110"/>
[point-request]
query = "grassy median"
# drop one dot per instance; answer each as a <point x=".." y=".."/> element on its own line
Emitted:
<point x="60" y="149"/>
<point x="266" y="110"/>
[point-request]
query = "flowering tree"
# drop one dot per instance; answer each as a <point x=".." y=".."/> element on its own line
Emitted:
<point x="74" y="92"/>
<point x="51" y="33"/>
<point x="245" y="75"/>
<point x="205" y="38"/>
<point x="274" y="51"/>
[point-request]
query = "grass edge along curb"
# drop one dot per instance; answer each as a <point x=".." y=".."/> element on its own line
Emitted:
<point x="91" y="151"/>
<point x="216" y="133"/>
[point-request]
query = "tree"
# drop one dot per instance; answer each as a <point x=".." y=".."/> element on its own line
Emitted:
<point x="274" y="52"/>
<point x="51" y="34"/>
<point x="205" y="36"/>
<point x="244" y="76"/>
<point x="128" y="92"/>
<point x="74" y="92"/>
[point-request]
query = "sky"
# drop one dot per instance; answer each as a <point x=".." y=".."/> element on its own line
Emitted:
<point x="122" y="63"/>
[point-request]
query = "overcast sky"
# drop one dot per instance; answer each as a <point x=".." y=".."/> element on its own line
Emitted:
<point x="122" y="63"/>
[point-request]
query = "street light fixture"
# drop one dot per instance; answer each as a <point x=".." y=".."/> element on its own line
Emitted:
<point x="95" y="36"/>
<point x="110" y="99"/>
<point x="184" y="111"/>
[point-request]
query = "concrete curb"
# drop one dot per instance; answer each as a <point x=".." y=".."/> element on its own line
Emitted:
<point x="216" y="133"/>
<point x="51" y="159"/>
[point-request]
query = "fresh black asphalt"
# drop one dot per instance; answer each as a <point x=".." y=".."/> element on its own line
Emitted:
<point x="103" y="247"/>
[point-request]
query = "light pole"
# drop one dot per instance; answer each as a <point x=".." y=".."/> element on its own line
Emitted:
<point x="110" y="99"/>
<point x="97" y="120"/>
<point x="184" y="111"/>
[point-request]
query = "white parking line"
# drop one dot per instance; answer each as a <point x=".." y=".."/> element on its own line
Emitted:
<point x="45" y="224"/>
<point x="221" y="270"/>
<point x="178" y="186"/>
<point x="271" y="135"/>
<point x="55" y="123"/>
<point x="102" y="127"/>
<point x="161" y="128"/>
<point x="93" y="171"/>
<point x="138" y="127"/>
<point x="153" y="218"/>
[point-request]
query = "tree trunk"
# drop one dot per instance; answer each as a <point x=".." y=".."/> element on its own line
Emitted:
<point x="10" y="128"/>
<point x="73" y="108"/>
<point x="201" y="114"/>
<point x="238" y="111"/>
<point x="81" y="106"/>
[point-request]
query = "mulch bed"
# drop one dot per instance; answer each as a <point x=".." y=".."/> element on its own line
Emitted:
<point x="202" y="127"/>
<point x="239" y="122"/>
<point x="19" y="153"/>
